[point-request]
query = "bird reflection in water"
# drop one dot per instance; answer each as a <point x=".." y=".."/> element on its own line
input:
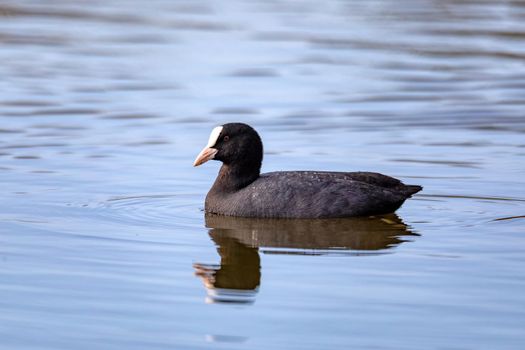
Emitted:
<point x="239" y="241"/>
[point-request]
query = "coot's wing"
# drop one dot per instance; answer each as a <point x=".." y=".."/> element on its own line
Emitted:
<point x="318" y="194"/>
<point x="376" y="179"/>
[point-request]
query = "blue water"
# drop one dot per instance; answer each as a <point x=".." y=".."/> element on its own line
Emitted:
<point x="104" y="106"/>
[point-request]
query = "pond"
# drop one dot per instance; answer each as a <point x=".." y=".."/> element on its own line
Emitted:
<point x="105" y="104"/>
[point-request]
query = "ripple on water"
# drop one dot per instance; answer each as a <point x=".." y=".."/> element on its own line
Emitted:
<point x="155" y="210"/>
<point x="26" y="157"/>
<point x="132" y="116"/>
<point x="235" y="110"/>
<point x="452" y="163"/>
<point x="54" y="112"/>
<point x="28" y="103"/>
<point x="254" y="73"/>
<point x="10" y="131"/>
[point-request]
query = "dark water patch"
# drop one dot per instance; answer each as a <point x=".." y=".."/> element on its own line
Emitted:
<point x="132" y="116"/>
<point x="125" y="76"/>
<point x="97" y="156"/>
<point x="308" y="72"/>
<point x="321" y="252"/>
<point x="70" y="14"/>
<point x="138" y="39"/>
<point x="439" y="177"/>
<point x="394" y="98"/>
<point x="192" y="120"/>
<point x="315" y="127"/>
<point x="308" y="114"/>
<point x="200" y="25"/>
<point x="33" y="39"/>
<point x="442" y="51"/>
<point x="434" y="67"/>
<point x="283" y="8"/>
<point x="142" y="87"/>
<point x="102" y="52"/>
<point x="91" y="101"/>
<point x="43" y="172"/>
<point x="324" y="60"/>
<point x="90" y="89"/>
<point x="392" y="142"/>
<point x="460" y="144"/>
<point x="510" y="218"/>
<point x="59" y="127"/>
<point x="507" y="102"/>
<point x="357" y="113"/>
<point x="223" y="338"/>
<point x="37" y="73"/>
<point x="28" y="103"/>
<point x="26" y="157"/>
<point x="430" y="13"/>
<point x="460" y="118"/>
<point x="42" y="145"/>
<point x="448" y="91"/>
<point x="453" y="163"/>
<point x="514" y="35"/>
<point x="148" y="143"/>
<point x="288" y="123"/>
<point x="255" y="73"/>
<point x="281" y="36"/>
<point x="192" y="8"/>
<point x="234" y="110"/>
<point x="63" y="111"/>
<point x="353" y="43"/>
<point x="489" y="198"/>
<point x="442" y="80"/>
<point x="456" y="52"/>
<point x="277" y="152"/>
<point x="11" y="131"/>
<point x="518" y="83"/>
<point x="49" y="134"/>
<point x="497" y="128"/>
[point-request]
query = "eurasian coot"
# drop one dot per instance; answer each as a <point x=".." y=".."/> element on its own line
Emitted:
<point x="241" y="190"/>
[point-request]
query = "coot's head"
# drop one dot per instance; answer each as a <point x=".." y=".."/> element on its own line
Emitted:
<point x="233" y="144"/>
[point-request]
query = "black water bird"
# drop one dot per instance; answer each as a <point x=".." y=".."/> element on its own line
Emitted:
<point x="241" y="190"/>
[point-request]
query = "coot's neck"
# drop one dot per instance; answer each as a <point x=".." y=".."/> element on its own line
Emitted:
<point x="233" y="177"/>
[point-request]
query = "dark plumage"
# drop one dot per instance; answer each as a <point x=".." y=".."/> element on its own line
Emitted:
<point x="240" y="189"/>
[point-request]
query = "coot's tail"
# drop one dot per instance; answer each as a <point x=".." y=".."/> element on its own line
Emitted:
<point x="412" y="189"/>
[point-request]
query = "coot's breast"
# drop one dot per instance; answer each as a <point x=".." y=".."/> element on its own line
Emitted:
<point x="309" y="194"/>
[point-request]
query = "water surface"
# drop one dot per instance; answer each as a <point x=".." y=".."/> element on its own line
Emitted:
<point x="105" y="104"/>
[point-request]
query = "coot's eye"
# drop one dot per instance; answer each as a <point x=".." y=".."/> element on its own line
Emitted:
<point x="225" y="138"/>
